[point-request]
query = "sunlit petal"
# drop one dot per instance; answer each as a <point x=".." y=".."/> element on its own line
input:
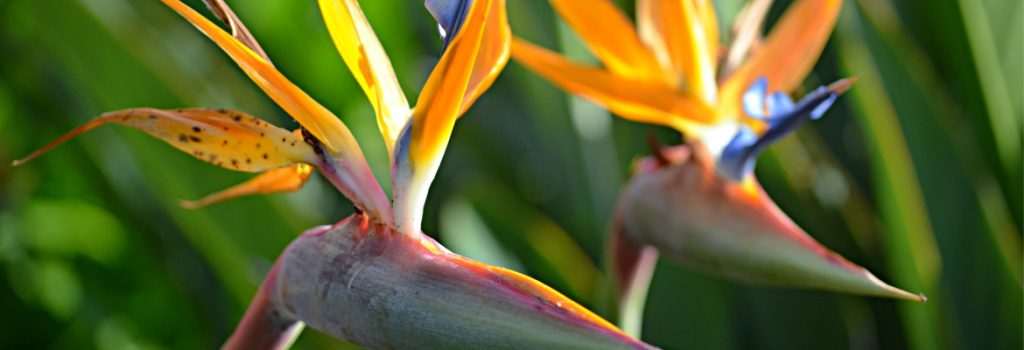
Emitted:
<point x="314" y="117"/>
<point x="611" y="37"/>
<point x="420" y="148"/>
<point x="362" y="52"/>
<point x="492" y="57"/>
<point x="494" y="49"/>
<point x="635" y="100"/>
<point x="352" y="174"/>
<point x="225" y="138"/>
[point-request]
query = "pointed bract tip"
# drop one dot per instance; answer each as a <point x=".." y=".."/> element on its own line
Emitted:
<point x="887" y="290"/>
<point x="840" y="86"/>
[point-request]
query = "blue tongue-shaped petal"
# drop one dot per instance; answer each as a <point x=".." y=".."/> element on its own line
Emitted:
<point x="449" y="15"/>
<point x="783" y="116"/>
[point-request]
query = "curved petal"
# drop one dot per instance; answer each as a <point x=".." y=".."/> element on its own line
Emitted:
<point x="492" y="57"/>
<point x="354" y="180"/>
<point x="494" y="47"/>
<point x="313" y="116"/>
<point x="286" y="179"/>
<point x="677" y="28"/>
<point x="635" y="100"/>
<point x="362" y="52"/>
<point x="225" y="138"/>
<point x="788" y="53"/>
<point x="611" y="37"/>
<point x="422" y="145"/>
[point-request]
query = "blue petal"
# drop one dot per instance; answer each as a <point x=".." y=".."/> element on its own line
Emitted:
<point x="739" y="156"/>
<point x="779" y="103"/>
<point x="736" y="160"/>
<point x="449" y="14"/>
<point x="753" y="98"/>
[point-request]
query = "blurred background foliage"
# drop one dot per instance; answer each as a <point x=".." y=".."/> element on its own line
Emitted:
<point x="915" y="174"/>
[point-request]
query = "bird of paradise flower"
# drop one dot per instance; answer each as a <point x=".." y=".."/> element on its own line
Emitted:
<point x="373" y="278"/>
<point x="699" y="204"/>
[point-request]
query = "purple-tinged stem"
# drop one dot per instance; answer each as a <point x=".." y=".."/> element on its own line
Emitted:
<point x="263" y="326"/>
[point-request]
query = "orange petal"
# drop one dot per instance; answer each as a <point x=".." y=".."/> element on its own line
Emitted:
<point x="313" y="116"/>
<point x="287" y="179"/>
<point x="611" y="37"/>
<point x="225" y="138"/>
<point x="788" y="53"/>
<point x="635" y="100"/>
<point x="493" y="55"/>
<point x="362" y="52"/>
<point x="445" y="90"/>
<point x="439" y="104"/>
<point x="677" y="28"/>
<point x="238" y="29"/>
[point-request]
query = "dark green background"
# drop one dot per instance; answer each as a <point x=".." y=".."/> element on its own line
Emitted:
<point x="914" y="174"/>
